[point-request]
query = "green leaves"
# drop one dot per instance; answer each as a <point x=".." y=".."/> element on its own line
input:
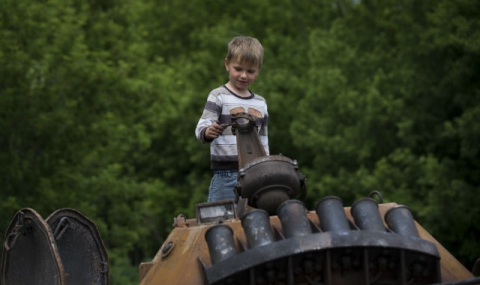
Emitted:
<point x="99" y="101"/>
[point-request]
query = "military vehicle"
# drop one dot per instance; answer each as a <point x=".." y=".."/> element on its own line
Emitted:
<point x="265" y="236"/>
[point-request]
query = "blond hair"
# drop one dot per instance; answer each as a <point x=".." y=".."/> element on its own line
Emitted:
<point x="246" y="50"/>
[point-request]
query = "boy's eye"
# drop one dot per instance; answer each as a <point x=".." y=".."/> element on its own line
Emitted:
<point x="240" y="69"/>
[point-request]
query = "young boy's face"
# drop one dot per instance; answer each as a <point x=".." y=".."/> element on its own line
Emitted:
<point x="241" y="75"/>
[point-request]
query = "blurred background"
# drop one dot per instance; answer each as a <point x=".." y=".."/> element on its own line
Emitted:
<point x="99" y="101"/>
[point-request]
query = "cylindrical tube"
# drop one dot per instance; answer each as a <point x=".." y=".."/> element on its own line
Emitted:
<point x="221" y="244"/>
<point x="366" y="215"/>
<point x="332" y="215"/>
<point x="400" y="221"/>
<point x="256" y="225"/>
<point x="293" y="215"/>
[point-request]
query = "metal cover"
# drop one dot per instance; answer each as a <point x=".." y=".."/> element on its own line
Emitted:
<point x="81" y="248"/>
<point x="29" y="252"/>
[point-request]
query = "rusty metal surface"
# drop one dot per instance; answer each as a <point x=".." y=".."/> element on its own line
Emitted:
<point x="180" y="265"/>
<point x="30" y="255"/>
<point x="80" y="247"/>
<point x="189" y="261"/>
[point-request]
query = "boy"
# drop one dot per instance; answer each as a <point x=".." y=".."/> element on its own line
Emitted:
<point x="243" y="63"/>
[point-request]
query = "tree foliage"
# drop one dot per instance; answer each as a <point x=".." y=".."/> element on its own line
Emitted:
<point x="99" y="101"/>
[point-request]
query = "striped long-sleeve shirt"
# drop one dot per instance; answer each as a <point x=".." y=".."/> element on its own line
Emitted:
<point x="223" y="150"/>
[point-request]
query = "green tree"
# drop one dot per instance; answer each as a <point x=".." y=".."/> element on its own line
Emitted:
<point x="393" y="109"/>
<point x="99" y="101"/>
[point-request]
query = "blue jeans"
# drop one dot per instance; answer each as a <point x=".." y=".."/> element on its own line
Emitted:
<point x="222" y="184"/>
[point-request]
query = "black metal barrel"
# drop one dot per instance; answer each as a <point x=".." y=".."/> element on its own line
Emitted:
<point x="400" y="221"/>
<point x="256" y="225"/>
<point x="332" y="215"/>
<point x="221" y="244"/>
<point x="366" y="215"/>
<point x="293" y="216"/>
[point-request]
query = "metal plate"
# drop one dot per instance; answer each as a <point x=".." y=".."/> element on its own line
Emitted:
<point x="81" y="248"/>
<point x="29" y="252"/>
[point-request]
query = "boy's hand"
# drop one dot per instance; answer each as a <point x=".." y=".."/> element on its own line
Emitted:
<point x="214" y="131"/>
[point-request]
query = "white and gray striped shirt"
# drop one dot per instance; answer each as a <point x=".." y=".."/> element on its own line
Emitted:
<point x="223" y="150"/>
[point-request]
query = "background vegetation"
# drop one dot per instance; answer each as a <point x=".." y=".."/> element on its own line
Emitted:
<point x="99" y="101"/>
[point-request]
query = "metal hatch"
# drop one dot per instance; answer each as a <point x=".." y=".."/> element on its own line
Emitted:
<point x="81" y="248"/>
<point x="30" y="255"/>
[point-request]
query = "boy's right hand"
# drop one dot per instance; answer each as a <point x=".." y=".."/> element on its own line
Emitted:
<point x="214" y="131"/>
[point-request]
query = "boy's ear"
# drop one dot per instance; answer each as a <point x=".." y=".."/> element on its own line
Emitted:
<point x="226" y="64"/>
